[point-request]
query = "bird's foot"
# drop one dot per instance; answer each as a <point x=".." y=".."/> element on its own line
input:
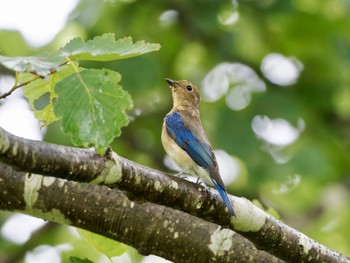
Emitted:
<point x="199" y="182"/>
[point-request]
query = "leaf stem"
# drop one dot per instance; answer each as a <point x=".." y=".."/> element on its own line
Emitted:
<point x="8" y="93"/>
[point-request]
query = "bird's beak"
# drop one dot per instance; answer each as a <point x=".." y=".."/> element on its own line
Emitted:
<point x="171" y="82"/>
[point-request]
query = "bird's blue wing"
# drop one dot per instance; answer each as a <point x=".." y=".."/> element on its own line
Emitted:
<point x="199" y="150"/>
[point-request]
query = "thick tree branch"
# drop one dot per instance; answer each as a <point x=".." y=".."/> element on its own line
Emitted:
<point x="149" y="227"/>
<point x="263" y="230"/>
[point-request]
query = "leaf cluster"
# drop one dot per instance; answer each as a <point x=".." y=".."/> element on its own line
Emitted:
<point x="90" y="103"/>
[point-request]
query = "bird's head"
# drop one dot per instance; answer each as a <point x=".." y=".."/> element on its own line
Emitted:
<point x="184" y="93"/>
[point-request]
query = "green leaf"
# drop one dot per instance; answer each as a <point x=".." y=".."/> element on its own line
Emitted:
<point x="37" y="87"/>
<point x="41" y="65"/>
<point x="104" y="245"/>
<point x="79" y="260"/>
<point x="92" y="106"/>
<point x="106" y="48"/>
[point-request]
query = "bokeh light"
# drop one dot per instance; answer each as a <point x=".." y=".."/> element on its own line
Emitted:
<point x="45" y="253"/>
<point x="16" y="114"/>
<point x="228" y="166"/>
<point x="235" y="80"/>
<point x="281" y="70"/>
<point x="276" y="131"/>
<point x="276" y="134"/>
<point x="36" y="19"/>
<point x="168" y="17"/>
<point x="19" y="228"/>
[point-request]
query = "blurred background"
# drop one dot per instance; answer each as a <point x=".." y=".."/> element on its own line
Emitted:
<point x="275" y="84"/>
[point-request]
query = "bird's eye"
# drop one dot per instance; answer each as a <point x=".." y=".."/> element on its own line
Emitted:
<point x="189" y="88"/>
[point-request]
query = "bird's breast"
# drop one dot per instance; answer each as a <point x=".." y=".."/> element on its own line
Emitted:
<point x="181" y="157"/>
<point x="173" y="149"/>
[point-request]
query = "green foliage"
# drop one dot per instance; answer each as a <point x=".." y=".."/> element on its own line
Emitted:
<point x="7" y="46"/>
<point x="37" y="87"/>
<point x="79" y="260"/>
<point x="105" y="48"/>
<point x="41" y="65"/>
<point x="92" y="107"/>
<point x="193" y="42"/>
<point x="106" y="246"/>
<point x="90" y="102"/>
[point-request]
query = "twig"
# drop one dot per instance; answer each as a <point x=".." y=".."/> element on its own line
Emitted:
<point x="52" y="71"/>
<point x="4" y="95"/>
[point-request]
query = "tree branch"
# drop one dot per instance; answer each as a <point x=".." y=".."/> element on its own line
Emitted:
<point x="266" y="232"/>
<point x="149" y="227"/>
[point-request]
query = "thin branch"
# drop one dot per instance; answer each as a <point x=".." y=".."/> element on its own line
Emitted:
<point x="83" y="165"/>
<point x="15" y="87"/>
<point x="151" y="228"/>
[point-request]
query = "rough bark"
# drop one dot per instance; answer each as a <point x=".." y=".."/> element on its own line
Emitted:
<point x="151" y="228"/>
<point x="142" y="183"/>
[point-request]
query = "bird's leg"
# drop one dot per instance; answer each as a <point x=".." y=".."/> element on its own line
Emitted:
<point x="200" y="182"/>
<point x="181" y="173"/>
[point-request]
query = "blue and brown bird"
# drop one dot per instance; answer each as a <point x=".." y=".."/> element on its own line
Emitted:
<point x="184" y="139"/>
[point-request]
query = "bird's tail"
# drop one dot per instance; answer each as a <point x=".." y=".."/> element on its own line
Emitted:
<point x="224" y="197"/>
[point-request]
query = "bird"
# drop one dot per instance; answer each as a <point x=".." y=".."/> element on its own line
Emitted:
<point x="185" y="141"/>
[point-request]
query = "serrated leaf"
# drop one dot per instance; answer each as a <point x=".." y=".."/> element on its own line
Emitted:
<point x="104" y="245"/>
<point x="41" y="65"/>
<point x="79" y="260"/>
<point x="92" y="106"/>
<point x="37" y="87"/>
<point x="106" y="48"/>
